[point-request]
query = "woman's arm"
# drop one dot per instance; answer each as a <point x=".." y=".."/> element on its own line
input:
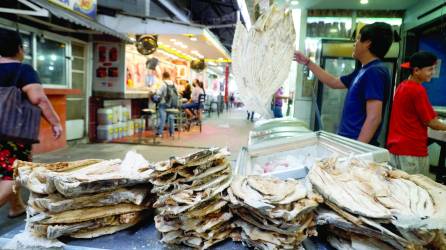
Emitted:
<point x="37" y="96"/>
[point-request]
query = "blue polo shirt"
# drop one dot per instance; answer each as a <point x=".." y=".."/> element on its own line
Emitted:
<point x="370" y="82"/>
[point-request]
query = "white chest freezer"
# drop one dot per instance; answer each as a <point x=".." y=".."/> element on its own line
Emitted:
<point x="293" y="157"/>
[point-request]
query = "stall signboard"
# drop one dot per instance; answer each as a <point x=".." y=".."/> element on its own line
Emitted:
<point x="109" y="61"/>
<point x="84" y="7"/>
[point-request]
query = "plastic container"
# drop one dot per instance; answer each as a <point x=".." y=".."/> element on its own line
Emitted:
<point x="116" y="131"/>
<point x="105" y="132"/>
<point x="116" y="114"/>
<point x="131" y="126"/>
<point x="125" y="129"/>
<point x="125" y="114"/>
<point x="136" y="126"/>
<point x="105" y="116"/>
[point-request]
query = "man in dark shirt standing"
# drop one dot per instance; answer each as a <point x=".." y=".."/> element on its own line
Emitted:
<point x="368" y="87"/>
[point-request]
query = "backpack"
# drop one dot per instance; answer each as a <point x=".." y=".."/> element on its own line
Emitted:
<point x="171" y="97"/>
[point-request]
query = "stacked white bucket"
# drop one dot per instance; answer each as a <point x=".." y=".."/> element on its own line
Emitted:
<point x="114" y="123"/>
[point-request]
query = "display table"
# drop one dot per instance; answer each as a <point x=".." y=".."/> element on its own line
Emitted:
<point x="439" y="137"/>
<point x="144" y="236"/>
<point x="58" y="98"/>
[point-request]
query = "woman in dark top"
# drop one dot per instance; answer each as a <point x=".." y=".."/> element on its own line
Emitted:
<point x="11" y="68"/>
<point x="187" y="92"/>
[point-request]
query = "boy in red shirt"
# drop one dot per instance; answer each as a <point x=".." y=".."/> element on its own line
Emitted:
<point x="412" y="114"/>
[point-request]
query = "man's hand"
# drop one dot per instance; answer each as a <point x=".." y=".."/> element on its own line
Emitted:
<point x="57" y="130"/>
<point x="301" y="58"/>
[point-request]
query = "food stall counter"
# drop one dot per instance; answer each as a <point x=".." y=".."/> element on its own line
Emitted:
<point x="58" y="98"/>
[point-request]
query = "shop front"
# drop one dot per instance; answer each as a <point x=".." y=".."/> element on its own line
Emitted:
<point x="58" y="39"/>
<point x="125" y="75"/>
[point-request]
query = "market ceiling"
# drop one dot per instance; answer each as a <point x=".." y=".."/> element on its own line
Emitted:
<point x="219" y="16"/>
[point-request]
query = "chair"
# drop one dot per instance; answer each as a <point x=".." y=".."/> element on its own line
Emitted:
<point x="150" y="116"/>
<point x="180" y="116"/>
<point x="201" y="101"/>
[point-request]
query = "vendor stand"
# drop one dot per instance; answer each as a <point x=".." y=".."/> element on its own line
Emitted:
<point x="124" y="76"/>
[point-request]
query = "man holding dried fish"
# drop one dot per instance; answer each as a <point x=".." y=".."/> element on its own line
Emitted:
<point x="368" y="86"/>
<point x="411" y="114"/>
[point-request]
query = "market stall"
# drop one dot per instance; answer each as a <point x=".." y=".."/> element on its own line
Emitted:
<point x="125" y="74"/>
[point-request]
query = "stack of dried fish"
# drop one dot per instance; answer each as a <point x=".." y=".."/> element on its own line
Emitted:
<point x="380" y="208"/>
<point x="274" y="213"/>
<point x="85" y="199"/>
<point x="190" y="205"/>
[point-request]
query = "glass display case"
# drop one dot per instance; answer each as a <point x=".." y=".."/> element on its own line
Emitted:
<point x="332" y="27"/>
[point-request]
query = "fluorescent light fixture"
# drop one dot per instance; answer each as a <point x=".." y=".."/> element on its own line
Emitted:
<point x="294" y="2"/>
<point x="220" y="58"/>
<point x="364" y="1"/>
<point x="245" y="13"/>
<point x="173" y="40"/>
<point x="192" y="38"/>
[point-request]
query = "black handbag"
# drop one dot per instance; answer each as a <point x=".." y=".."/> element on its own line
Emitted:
<point x="19" y="118"/>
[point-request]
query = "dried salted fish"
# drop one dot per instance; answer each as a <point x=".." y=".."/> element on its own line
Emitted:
<point x="55" y="203"/>
<point x="437" y="220"/>
<point x="274" y="213"/>
<point x="207" y="208"/>
<point x="327" y="217"/>
<point x="73" y="216"/>
<point x="88" y="176"/>
<point x="101" y="231"/>
<point x="346" y="191"/>
<point x="56" y="230"/>
<point x="190" y="204"/>
<point x="262" y="56"/>
<point x="207" y="195"/>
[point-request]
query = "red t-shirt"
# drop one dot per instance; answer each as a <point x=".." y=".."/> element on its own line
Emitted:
<point x="411" y="111"/>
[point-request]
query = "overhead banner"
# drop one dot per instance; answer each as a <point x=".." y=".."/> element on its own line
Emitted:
<point x="84" y="7"/>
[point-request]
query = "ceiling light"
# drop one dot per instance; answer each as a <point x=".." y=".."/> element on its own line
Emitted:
<point x="173" y="40"/>
<point x="193" y="38"/>
<point x="364" y="1"/>
<point x="294" y="2"/>
<point x="184" y="46"/>
<point x="220" y="59"/>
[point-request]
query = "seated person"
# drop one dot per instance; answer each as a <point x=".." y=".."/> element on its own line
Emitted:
<point x="187" y="92"/>
<point x="193" y="104"/>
